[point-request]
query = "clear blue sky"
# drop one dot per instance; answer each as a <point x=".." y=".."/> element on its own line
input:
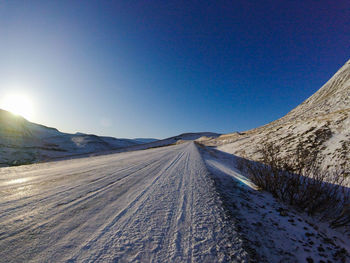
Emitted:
<point x="160" y="68"/>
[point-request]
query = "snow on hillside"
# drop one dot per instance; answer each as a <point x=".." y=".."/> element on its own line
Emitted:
<point x="145" y="140"/>
<point x="24" y="142"/>
<point x="182" y="138"/>
<point x="322" y="121"/>
<point x="272" y="231"/>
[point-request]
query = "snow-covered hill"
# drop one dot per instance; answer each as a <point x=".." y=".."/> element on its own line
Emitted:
<point x="145" y="140"/>
<point x="184" y="137"/>
<point x="323" y="120"/>
<point x="23" y="142"/>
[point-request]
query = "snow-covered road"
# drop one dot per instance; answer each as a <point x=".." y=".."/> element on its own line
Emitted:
<point x="156" y="205"/>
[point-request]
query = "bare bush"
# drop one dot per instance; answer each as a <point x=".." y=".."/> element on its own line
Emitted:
<point x="298" y="181"/>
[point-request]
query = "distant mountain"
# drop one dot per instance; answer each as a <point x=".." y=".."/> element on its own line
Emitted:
<point x="145" y="140"/>
<point x="23" y="142"/>
<point x="182" y="138"/>
<point x="323" y="120"/>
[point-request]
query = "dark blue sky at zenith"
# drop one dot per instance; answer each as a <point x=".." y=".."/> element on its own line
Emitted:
<point x="160" y="68"/>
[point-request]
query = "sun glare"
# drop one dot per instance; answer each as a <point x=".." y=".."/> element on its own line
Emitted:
<point x="18" y="104"/>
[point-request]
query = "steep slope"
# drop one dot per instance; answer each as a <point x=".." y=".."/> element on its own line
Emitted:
<point x="331" y="97"/>
<point x="23" y="142"/>
<point x="321" y="123"/>
<point x="13" y="127"/>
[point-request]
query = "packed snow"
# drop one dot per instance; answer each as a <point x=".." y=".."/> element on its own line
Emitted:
<point x="180" y="203"/>
<point x="157" y="205"/>
<point x="272" y="231"/>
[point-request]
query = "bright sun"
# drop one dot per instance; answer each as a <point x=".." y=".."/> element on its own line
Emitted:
<point x="18" y="104"/>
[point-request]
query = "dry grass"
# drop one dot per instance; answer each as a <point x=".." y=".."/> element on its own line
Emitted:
<point x="299" y="182"/>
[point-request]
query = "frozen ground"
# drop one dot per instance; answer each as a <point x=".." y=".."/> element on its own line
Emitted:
<point x="271" y="231"/>
<point x="157" y="205"/>
<point x="177" y="203"/>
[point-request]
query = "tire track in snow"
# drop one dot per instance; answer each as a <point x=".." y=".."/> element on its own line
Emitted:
<point x="41" y="228"/>
<point x="122" y="214"/>
<point x="107" y="225"/>
<point x="156" y="205"/>
<point x="73" y="204"/>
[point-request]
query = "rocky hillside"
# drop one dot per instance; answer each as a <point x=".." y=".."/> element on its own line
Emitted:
<point x="321" y="123"/>
<point x="24" y="142"/>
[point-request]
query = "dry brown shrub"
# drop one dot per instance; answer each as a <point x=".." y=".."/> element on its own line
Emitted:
<point x="298" y="181"/>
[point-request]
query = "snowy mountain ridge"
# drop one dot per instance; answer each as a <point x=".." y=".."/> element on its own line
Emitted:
<point x="26" y="142"/>
<point x="322" y="123"/>
<point x="334" y="95"/>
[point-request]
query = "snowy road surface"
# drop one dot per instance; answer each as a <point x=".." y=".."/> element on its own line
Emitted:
<point x="157" y="205"/>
